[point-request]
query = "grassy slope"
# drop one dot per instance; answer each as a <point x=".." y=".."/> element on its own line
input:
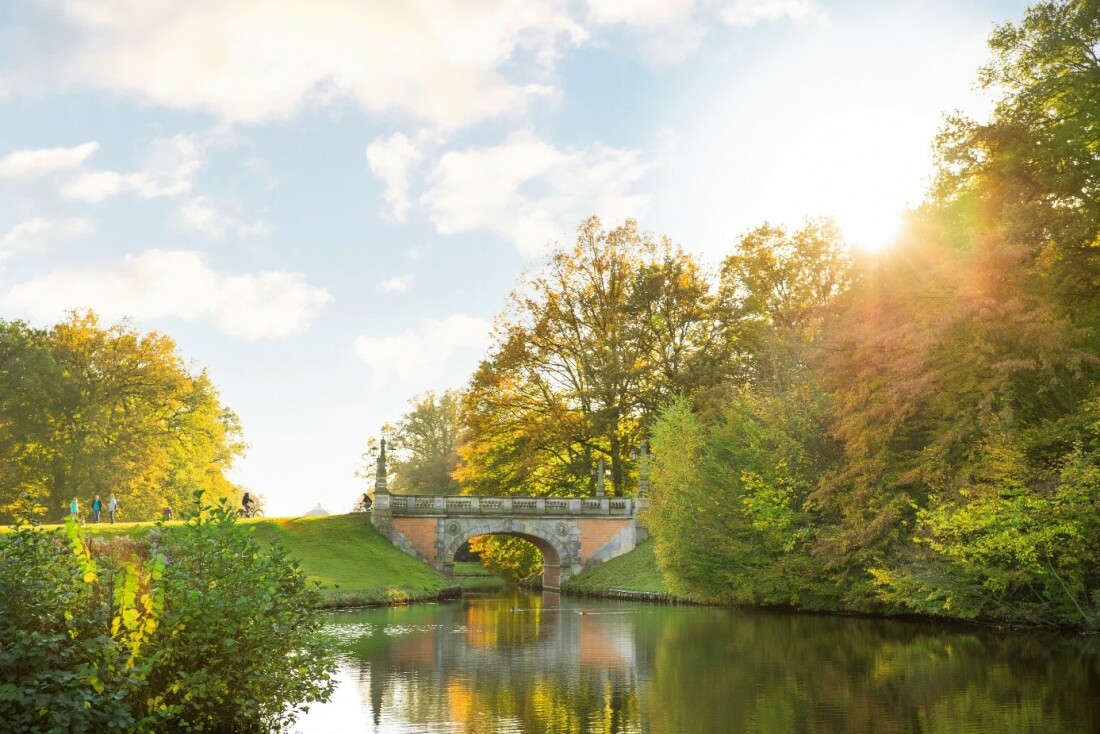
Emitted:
<point x="354" y="565"/>
<point x="351" y="561"/>
<point x="633" y="571"/>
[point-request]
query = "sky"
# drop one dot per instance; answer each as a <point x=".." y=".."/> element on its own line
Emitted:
<point x="326" y="203"/>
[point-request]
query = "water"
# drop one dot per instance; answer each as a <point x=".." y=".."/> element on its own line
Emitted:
<point x="520" y="662"/>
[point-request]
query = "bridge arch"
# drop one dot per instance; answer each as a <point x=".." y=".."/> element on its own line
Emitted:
<point x="555" y="552"/>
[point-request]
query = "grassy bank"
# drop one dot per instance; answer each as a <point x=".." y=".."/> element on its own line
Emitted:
<point x="633" y="574"/>
<point x="353" y="564"/>
<point x="346" y="556"/>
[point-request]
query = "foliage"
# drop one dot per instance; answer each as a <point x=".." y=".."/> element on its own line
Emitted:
<point x="729" y="503"/>
<point x="593" y="342"/>
<point x="513" y="559"/>
<point x="88" y="410"/>
<point x="778" y="290"/>
<point x="199" y="629"/>
<point x="425" y="451"/>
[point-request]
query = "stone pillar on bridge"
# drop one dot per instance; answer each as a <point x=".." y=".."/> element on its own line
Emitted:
<point x="381" y="512"/>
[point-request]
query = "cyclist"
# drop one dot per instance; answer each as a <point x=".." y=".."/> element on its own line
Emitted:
<point x="246" y="504"/>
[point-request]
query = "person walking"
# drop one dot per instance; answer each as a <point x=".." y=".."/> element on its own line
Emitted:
<point x="74" y="509"/>
<point x="97" y="508"/>
<point x="112" y="508"/>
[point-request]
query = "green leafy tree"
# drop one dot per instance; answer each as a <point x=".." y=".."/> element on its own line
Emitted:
<point x="425" y="453"/>
<point x="779" y="289"/>
<point x="31" y="394"/>
<point x="965" y="375"/>
<point x="88" y="410"/>
<point x="592" y="343"/>
<point x="729" y="504"/>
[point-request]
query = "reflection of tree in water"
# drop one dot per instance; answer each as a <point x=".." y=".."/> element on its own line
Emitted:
<point x="795" y="673"/>
<point x="521" y="663"/>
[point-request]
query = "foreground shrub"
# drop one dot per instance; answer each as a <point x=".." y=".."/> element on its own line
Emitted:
<point x="200" y="628"/>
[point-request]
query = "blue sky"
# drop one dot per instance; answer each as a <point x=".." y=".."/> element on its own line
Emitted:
<point x="325" y="203"/>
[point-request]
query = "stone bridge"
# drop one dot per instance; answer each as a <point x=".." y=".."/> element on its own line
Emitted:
<point x="573" y="533"/>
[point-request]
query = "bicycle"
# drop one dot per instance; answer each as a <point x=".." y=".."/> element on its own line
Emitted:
<point x="247" y="512"/>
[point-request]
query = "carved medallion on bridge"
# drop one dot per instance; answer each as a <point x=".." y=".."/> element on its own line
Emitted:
<point x="562" y="529"/>
<point x="452" y="528"/>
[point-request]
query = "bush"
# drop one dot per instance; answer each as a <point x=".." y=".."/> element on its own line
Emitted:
<point x="198" y="628"/>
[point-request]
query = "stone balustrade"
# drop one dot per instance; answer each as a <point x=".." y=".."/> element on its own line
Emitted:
<point x="451" y="506"/>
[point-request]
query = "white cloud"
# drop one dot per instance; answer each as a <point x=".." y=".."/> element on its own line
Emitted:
<point x="530" y="191"/>
<point x="390" y="159"/>
<point x="167" y="170"/>
<point x="427" y="356"/>
<point x="25" y="165"/>
<point x="665" y="31"/>
<point x="176" y="284"/>
<point x="414" y="253"/>
<point x="747" y="13"/>
<point x="398" y="284"/>
<point x="204" y="215"/>
<point x="37" y="234"/>
<point x="641" y="12"/>
<point x="451" y="62"/>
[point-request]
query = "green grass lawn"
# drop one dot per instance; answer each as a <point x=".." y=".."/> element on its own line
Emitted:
<point x="633" y="571"/>
<point x="351" y="561"/>
<point x="353" y="564"/>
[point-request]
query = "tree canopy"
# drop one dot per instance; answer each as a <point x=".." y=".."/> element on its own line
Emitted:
<point x="932" y="442"/>
<point x="87" y="409"/>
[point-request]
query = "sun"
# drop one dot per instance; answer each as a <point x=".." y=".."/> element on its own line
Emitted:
<point x="871" y="230"/>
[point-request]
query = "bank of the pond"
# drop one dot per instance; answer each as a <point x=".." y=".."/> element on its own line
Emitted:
<point x="353" y="564"/>
<point x="633" y="575"/>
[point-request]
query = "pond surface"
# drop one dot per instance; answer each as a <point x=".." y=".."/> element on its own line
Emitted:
<point x="521" y="662"/>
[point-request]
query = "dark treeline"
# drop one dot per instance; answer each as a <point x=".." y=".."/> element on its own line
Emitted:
<point x="912" y="431"/>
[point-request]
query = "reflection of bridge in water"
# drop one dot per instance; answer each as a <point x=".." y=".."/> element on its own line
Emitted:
<point x="499" y="653"/>
<point x="573" y="533"/>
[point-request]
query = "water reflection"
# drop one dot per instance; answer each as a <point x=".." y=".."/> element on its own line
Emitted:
<point x="530" y="663"/>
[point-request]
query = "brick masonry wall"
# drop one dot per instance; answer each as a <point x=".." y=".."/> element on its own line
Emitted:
<point x="420" y="532"/>
<point x="595" y="534"/>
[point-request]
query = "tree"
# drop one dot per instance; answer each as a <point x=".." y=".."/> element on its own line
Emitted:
<point x="90" y="410"/>
<point x="779" y="289"/>
<point x="1032" y="171"/>
<point x="592" y="343"/>
<point x="30" y="393"/>
<point x="426" y="445"/>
